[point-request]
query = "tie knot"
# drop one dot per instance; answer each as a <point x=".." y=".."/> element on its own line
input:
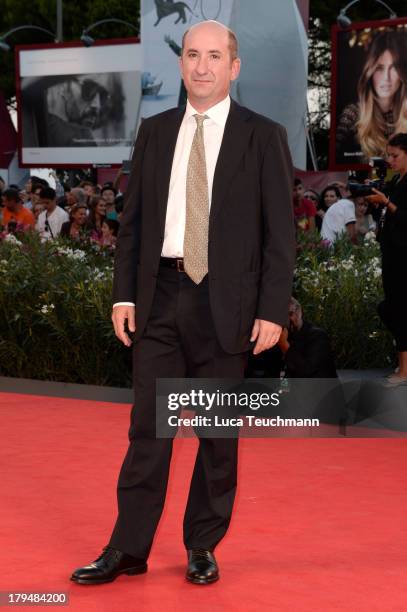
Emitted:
<point x="200" y="119"/>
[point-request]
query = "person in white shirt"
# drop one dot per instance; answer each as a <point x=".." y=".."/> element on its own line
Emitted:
<point x="339" y="219"/>
<point x="52" y="217"/>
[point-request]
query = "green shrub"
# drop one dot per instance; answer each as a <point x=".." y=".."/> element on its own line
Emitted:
<point x="55" y="302"/>
<point x="339" y="289"/>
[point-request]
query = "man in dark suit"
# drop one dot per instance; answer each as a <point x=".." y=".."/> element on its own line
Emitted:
<point x="206" y="253"/>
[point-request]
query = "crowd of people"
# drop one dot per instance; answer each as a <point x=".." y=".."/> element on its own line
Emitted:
<point x="334" y="212"/>
<point x="92" y="211"/>
<point x="87" y="212"/>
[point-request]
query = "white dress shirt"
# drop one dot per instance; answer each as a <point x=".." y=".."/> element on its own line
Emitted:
<point x="213" y="129"/>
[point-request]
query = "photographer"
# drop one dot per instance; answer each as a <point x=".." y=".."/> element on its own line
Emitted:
<point x="392" y="236"/>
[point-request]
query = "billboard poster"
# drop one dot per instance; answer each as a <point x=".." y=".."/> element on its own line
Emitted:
<point x="369" y="91"/>
<point x="78" y="105"/>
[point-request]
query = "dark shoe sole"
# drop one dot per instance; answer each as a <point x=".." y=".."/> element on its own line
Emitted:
<point x="202" y="581"/>
<point x="132" y="571"/>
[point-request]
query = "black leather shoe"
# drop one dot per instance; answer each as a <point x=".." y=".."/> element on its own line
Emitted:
<point x="202" y="566"/>
<point x="108" y="566"/>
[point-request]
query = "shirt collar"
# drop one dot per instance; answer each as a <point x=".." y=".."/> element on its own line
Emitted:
<point x="217" y="113"/>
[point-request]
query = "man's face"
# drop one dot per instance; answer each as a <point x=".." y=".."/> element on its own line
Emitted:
<point x="298" y="192"/>
<point x="206" y="65"/>
<point x="83" y="102"/>
<point x="108" y="196"/>
<point x="28" y="186"/>
<point x="70" y="198"/>
<point x="47" y="203"/>
<point x="10" y="204"/>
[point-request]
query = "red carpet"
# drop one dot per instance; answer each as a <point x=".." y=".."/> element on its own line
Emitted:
<point x="319" y="524"/>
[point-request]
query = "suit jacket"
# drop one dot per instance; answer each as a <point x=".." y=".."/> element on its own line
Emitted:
<point x="251" y="244"/>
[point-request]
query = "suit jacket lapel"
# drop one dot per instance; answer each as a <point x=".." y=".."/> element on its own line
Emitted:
<point x="234" y="143"/>
<point x="167" y="139"/>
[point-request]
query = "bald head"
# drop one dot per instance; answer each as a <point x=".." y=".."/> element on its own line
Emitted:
<point x="206" y="64"/>
<point x="214" y="27"/>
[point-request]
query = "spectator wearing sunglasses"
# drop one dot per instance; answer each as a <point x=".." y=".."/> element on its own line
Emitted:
<point x="311" y="194"/>
<point x="52" y="218"/>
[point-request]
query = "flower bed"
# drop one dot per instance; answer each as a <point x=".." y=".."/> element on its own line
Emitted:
<point x="55" y="300"/>
<point x="339" y="289"/>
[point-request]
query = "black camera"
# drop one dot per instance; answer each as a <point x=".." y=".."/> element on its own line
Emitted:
<point x="365" y="189"/>
<point x="359" y="190"/>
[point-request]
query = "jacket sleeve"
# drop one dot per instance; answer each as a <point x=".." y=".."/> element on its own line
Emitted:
<point x="128" y="239"/>
<point x="278" y="230"/>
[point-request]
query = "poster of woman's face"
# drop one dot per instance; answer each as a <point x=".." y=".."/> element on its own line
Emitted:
<point x="369" y="91"/>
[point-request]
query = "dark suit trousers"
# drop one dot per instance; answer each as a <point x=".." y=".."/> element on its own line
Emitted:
<point x="179" y="341"/>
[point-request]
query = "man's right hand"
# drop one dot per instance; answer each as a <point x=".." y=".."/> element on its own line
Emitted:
<point x="119" y="316"/>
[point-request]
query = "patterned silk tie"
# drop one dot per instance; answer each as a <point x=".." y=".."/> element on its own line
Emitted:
<point x="197" y="208"/>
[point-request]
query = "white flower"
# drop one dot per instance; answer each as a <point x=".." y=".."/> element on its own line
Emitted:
<point x="47" y="308"/>
<point x="73" y="254"/>
<point x="11" y="238"/>
<point x="370" y="236"/>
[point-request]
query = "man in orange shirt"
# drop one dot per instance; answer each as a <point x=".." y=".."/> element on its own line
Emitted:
<point x="14" y="211"/>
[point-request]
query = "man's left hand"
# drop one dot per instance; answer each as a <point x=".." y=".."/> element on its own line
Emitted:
<point x="266" y="333"/>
